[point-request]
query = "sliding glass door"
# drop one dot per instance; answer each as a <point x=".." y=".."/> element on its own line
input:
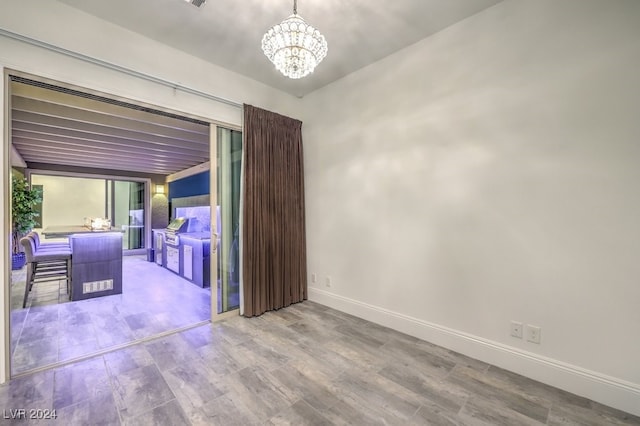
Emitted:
<point x="127" y="202"/>
<point x="228" y="155"/>
<point x="74" y="200"/>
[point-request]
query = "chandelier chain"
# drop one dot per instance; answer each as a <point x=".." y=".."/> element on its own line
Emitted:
<point x="295" y="7"/>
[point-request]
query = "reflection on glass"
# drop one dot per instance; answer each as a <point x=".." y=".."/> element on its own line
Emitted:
<point x="229" y="162"/>
<point x="128" y="212"/>
<point x="199" y="214"/>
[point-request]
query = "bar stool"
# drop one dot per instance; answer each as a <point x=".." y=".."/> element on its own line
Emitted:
<point x="45" y="265"/>
<point x="46" y="246"/>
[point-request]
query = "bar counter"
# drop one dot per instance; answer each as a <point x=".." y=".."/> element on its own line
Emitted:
<point x="63" y="231"/>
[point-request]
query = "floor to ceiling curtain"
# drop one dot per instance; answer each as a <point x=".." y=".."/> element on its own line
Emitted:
<point x="274" y="263"/>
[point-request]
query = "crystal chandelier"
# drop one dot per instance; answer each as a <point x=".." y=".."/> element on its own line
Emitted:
<point x="294" y="47"/>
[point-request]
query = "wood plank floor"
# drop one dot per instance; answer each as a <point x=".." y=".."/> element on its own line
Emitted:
<point x="306" y="364"/>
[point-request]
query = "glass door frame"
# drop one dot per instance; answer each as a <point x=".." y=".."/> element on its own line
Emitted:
<point x="5" y="169"/>
<point x="147" y="198"/>
<point x="213" y="197"/>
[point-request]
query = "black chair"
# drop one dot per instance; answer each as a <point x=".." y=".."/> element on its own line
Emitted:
<point x="45" y="265"/>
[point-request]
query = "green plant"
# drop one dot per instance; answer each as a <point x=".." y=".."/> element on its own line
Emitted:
<point x="23" y="212"/>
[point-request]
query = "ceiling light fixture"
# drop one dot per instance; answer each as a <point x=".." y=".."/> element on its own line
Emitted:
<point x="197" y="3"/>
<point x="294" y="47"/>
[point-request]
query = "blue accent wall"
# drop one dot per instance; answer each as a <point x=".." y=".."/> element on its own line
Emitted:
<point x="190" y="186"/>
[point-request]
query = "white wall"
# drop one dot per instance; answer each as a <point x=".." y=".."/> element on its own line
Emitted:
<point x="69" y="200"/>
<point x="486" y="174"/>
<point x="64" y="27"/>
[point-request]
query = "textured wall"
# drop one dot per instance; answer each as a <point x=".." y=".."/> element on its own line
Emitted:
<point x="159" y="211"/>
<point x="487" y="174"/>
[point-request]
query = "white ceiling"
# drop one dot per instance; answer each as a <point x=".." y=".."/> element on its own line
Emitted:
<point x="56" y="127"/>
<point x="228" y="33"/>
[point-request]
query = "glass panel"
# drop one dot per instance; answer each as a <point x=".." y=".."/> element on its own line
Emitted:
<point x="229" y="162"/>
<point x="128" y="212"/>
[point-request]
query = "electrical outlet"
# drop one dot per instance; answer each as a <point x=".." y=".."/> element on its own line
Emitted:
<point x="533" y="333"/>
<point x="516" y="329"/>
<point x="327" y="281"/>
<point x="313" y="278"/>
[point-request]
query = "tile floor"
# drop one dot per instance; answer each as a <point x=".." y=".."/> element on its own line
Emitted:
<point x="51" y="329"/>
<point x="305" y="364"/>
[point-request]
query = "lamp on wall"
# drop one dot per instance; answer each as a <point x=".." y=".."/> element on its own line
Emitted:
<point x="294" y="47"/>
<point x="159" y="189"/>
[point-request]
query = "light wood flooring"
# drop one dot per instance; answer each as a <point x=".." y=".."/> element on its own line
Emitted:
<point x="305" y="364"/>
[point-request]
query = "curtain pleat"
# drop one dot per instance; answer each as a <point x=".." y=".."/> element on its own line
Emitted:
<point x="274" y="241"/>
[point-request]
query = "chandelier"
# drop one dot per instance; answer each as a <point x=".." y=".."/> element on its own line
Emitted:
<point x="294" y="47"/>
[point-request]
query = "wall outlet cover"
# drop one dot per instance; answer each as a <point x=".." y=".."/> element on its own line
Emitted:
<point x="516" y="329"/>
<point x="533" y="333"/>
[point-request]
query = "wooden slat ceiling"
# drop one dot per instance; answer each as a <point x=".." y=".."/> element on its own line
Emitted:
<point x="58" y="127"/>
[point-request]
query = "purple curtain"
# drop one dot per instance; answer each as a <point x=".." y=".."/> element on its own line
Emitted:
<point x="274" y="242"/>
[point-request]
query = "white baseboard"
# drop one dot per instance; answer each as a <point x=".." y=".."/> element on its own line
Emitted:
<point x="598" y="387"/>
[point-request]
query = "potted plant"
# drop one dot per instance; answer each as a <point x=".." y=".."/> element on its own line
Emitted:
<point x="23" y="215"/>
